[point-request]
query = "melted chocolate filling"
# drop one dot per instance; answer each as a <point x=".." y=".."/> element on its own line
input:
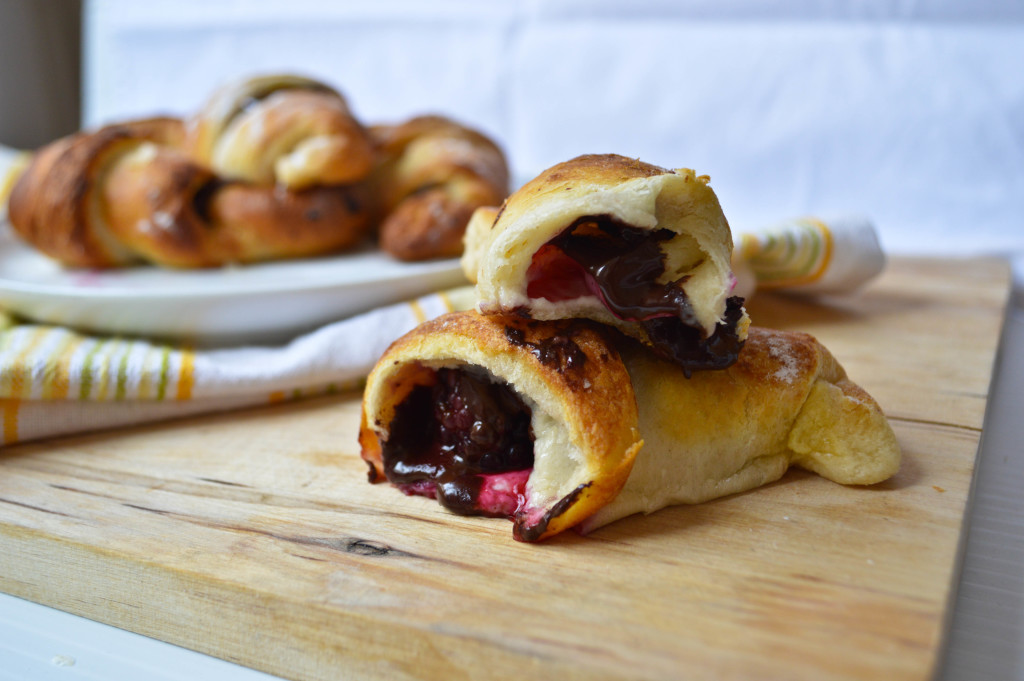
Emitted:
<point x="621" y="264"/>
<point x="445" y="438"/>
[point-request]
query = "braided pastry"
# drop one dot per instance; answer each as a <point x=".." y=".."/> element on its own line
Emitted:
<point x="434" y="174"/>
<point x="271" y="167"/>
<point x="54" y="205"/>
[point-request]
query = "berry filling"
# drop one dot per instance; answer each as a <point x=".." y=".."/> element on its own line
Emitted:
<point x="620" y="265"/>
<point x="465" y="441"/>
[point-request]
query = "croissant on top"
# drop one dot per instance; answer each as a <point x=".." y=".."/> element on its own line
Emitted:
<point x="271" y="167"/>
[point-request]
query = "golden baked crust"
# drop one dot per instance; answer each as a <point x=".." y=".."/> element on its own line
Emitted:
<point x="583" y="414"/>
<point x="169" y="210"/>
<point x="786" y="401"/>
<point x="501" y="257"/>
<point x="54" y="206"/>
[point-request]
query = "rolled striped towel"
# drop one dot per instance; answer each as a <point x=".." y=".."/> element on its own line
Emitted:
<point x="808" y="255"/>
<point x="55" y="381"/>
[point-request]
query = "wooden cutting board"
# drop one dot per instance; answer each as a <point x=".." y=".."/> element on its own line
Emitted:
<point x="254" y="536"/>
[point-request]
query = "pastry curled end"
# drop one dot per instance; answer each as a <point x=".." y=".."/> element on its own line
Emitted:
<point x="433" y="174"/>
<point x="281" y="129"/>
<point x="786" y="401"/>
<point x="503" y="416"/>
<point x="622" y="242"/>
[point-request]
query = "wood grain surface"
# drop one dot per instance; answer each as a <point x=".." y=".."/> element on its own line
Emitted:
<point x="254" y="536"/>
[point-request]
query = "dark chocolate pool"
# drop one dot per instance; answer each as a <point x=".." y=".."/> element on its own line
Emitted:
<point x="464" y="440"/>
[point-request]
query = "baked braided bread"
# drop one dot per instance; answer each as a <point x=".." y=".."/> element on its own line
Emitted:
<point x="433" y="174"/>
<point x="272" y="167"/>
<point x="127" y="193"/>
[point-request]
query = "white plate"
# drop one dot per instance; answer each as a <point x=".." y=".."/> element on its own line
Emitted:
<point x="261" y="303"/>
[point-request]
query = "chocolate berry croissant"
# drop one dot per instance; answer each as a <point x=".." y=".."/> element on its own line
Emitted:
<point x="503" y="416"/>
<point x="567" y="423"/>
<point x="622" y="242"/>
<point x="786" y="401"/>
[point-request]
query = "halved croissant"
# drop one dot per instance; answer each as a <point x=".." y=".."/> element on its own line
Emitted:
<point x="609" y="433"/>
<point x="537" y="419"/>
<point x="619" y="241"/>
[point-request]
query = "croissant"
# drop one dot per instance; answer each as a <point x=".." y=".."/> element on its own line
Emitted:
<point x="567" y="423"/>
<point x="503" y="416"/>
<point x="621" y="242"/>
<point x="786" y="402"/>
<point x="433" y="174"/>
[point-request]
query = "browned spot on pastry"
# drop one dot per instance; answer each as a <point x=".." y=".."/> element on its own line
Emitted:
<point x="559" y="352"/>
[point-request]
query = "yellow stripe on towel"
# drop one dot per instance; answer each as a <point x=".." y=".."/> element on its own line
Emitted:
<point x="9" y="409"/>
<point x="16" y="377"/>
<point x="108" y="369"/>
<point x="57" y="372"/>
<point x="186" y="375"/>
<point x="417" y="311"/>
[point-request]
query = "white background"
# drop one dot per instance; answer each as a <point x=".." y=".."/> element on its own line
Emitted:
<point x="909" y="112"/>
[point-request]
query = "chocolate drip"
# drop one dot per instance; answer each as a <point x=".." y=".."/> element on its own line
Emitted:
<point x="684" y="345"/>
<point x="452" y="432"/>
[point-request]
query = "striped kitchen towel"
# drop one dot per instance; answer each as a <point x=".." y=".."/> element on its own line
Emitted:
<point x="55" y="381"/>
<point x="808" y="255"/>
